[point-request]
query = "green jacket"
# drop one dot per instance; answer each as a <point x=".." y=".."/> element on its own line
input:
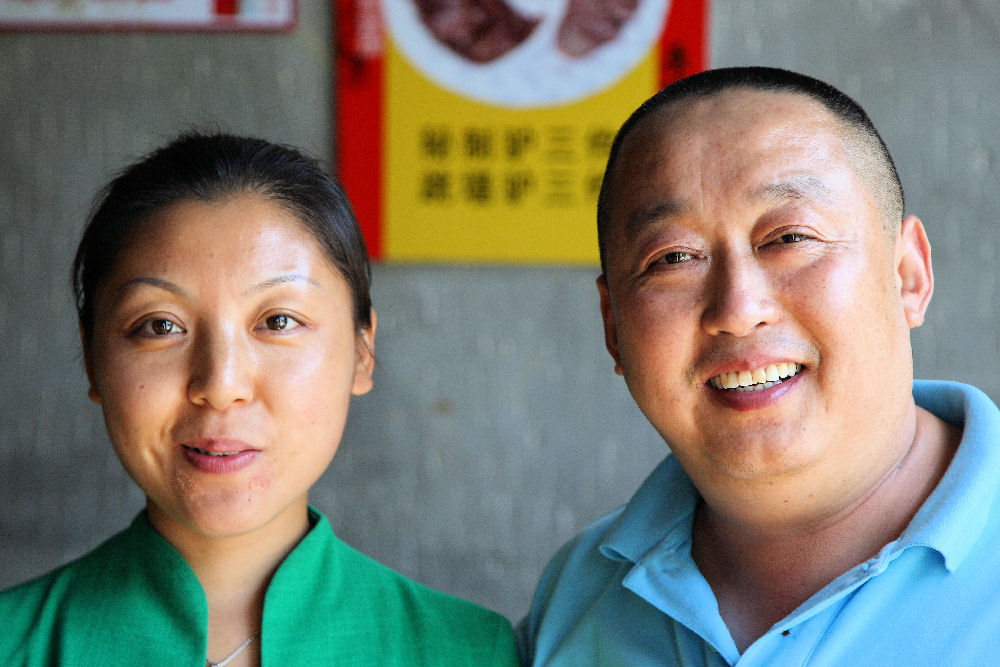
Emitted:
<point x="134" y="600"/>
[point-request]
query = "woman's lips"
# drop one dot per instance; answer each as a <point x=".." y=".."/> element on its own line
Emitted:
<point x="219" y="456"/>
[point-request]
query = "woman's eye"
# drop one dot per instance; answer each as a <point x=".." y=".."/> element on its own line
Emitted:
<point x="159" y="327"/>
<point x="281" y="323"/>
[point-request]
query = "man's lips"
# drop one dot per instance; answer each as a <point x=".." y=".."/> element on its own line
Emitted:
<point x="755" y="379"/>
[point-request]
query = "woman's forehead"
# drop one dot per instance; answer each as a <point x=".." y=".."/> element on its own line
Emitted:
<point x="241" y="236"/>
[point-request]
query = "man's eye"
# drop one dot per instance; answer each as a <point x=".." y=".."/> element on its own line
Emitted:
<point x="792" y="237"/>
<point x="281" y="323"/>
<point x="676" y="257"/>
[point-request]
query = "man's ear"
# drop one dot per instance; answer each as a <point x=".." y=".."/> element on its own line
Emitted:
<point x="365" y="364"/>
<point x="914" y="276"/>
<point x="610" y="328"/>
<point x="89" y="368"/>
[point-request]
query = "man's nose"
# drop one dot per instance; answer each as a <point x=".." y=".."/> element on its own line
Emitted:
<point x="739" y="296"/>
<point x="221" y="370"/>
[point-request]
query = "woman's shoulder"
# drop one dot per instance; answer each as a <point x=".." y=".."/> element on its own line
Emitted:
<point x="58" y="583"/>
<point x="441" y="624"/>
<point x="375" y="580"/>
<point x="392" y="616"/>
<point x="33" y="610"/>
<point x="60" y="608"/>
<point x="20" y="604"/>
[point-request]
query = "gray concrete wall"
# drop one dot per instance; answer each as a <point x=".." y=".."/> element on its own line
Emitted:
<point x="497" y="427"/>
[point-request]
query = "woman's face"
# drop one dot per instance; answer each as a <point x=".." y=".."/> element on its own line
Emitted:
<point x="224" y="357"/>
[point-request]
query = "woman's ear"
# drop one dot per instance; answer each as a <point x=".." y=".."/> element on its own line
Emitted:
<point x="89" y="368"/>
<point x="365" y="364"/>
<point x="914" y="275"/>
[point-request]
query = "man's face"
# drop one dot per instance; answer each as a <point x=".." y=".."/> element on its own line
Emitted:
<point x="743" y="249"/>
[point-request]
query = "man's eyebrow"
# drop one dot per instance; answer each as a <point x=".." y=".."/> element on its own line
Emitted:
<point x="641" y="218"/>
<point x="799" y="186"/>
<point x="280" y="280"/>
<point x="159" y="283"/>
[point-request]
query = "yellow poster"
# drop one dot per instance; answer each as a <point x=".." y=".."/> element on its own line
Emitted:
<point x="484" y="136"/>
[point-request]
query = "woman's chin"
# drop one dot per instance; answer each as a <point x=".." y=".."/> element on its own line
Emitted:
<point x="224" y="518"/>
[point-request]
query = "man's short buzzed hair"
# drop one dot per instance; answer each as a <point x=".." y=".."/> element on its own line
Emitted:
<point x="867" y="151"/>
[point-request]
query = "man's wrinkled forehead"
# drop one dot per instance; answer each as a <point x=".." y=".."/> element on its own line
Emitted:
<point x="789" y="187"/>
<point x="715" y="127"/>
<point x="718" y="123"/>
<point x="728" y="112"/>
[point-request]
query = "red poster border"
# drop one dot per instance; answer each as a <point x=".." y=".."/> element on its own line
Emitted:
<point x="359" y="107"/>
<point x="360" y="104"/>
<point x="220" y="24"/>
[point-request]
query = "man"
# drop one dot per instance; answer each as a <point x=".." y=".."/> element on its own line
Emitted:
<point x="759" y="284"/>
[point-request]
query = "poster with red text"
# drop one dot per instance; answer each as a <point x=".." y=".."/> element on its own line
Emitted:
<point x="209" y="15"/>
<point x="478" y="130"/>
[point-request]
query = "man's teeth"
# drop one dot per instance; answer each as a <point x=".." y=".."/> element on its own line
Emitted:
<point x="755" y="380"/>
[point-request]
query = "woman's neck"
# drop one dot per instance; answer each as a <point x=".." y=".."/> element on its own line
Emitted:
<point x="234" y="571"/>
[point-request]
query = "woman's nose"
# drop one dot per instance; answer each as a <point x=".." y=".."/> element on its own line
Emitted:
<point x="739" y="298"/>
<point x="221" y="371"/>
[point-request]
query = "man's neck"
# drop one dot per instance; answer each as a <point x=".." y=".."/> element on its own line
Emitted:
<point x="761" y="571"/>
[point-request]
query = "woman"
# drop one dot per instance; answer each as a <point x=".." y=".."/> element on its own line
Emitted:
<point x="222" y="293"/>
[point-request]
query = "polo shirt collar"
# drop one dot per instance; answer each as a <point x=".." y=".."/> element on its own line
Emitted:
<point x="953" y="517"/>
<point x="660" y="513"/>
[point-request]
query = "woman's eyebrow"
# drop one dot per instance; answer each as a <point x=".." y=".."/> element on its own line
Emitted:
<point x="280" y="280"/>
<point x="154" y="282"/>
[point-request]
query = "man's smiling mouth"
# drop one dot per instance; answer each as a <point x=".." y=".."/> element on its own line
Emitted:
<point x="757" y="379"/>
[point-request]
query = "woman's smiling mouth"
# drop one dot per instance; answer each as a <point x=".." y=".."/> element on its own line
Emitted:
<point x="220" y="457"/>
<point x="205" y="451"/>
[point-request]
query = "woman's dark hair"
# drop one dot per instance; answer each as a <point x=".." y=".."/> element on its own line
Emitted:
<point x="211" y="167"/>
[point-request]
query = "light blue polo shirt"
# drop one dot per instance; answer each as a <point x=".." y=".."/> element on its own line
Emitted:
<point x="626" y="592"/>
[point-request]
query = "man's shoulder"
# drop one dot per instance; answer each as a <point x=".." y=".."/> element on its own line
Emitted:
<point x="580" y="563"/>
<point x="602" y="552"/>
<point x="577" y="573"/>
<point x="586" y="582"/>
<point x="583" y="550"/>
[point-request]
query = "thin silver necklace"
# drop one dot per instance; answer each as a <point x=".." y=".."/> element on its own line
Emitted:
<point x="234" y="653"/>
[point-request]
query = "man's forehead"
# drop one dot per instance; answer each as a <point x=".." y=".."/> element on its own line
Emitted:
<point x="728" y="135"/>
<point x="790" y="187"/>
<point x="729" y="111"/>
<point x="749" y="147"/>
